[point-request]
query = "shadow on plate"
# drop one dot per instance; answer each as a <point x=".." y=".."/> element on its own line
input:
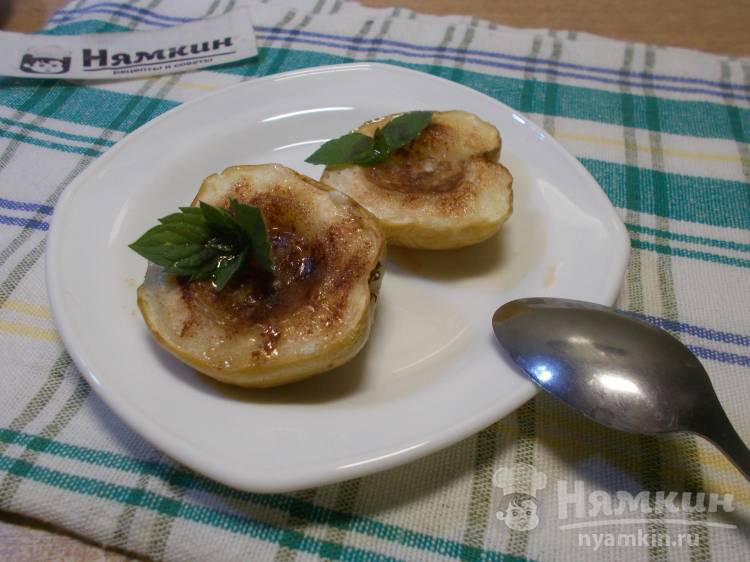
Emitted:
<point x="449" y="265"/>
<point x="498" y="264"/>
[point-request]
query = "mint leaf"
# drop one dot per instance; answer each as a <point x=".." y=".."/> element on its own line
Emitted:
<point x="403" y="129"/>
<point x="207" y="242"/>
<point x="221" y="223"/>
<point x="227" y="267"/>
<point x="169" y="255"/>
<point x="251" y="221"/>
<point x="192" y="232"/>
<point x="381" y="149"/>
<point x="163" y="246"/>
<point x="343" y="150"/>
<point x="359" y="149"/>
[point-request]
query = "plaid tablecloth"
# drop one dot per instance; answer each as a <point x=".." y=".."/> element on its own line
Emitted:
<point x="665" y="132"/>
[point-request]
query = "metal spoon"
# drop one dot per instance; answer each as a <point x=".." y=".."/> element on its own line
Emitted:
<point x="615" y="369"/>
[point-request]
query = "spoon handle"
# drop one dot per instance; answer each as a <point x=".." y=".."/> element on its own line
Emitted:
<point x="726" y="438"/>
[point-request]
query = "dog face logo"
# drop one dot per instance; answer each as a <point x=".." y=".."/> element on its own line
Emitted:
<point x="46" y="60"/>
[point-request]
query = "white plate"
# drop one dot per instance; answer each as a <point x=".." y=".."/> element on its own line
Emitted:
<point x="431" y="373"/>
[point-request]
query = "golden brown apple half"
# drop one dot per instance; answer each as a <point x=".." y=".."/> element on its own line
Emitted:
<point x="314" y="310"/>
<point x="445" y="189"/>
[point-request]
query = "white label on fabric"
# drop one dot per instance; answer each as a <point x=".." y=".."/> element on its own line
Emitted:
<point x="193" y="45"/>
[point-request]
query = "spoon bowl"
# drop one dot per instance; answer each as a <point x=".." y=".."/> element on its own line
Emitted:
<point x="615" y="369"/>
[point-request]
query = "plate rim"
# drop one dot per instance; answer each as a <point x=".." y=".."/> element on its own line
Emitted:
<point x="280" y="481"/>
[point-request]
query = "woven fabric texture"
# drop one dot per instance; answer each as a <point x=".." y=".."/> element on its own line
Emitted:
<point x="665" y="132"/>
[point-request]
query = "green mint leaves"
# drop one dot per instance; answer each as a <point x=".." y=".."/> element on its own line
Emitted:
<point x="356" y="148"/>
<point x="207" y="242"/>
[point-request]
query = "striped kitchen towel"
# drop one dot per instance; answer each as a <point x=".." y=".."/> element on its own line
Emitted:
<point x="666" y="132"/>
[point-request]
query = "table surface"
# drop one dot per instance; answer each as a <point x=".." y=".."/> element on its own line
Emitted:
<point x="716" y="26"/>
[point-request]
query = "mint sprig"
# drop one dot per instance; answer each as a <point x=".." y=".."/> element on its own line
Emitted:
<point x="359" y="149"/>
<point x="207" y="242"/>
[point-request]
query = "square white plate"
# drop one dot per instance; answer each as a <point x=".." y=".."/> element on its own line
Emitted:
<point x="431" y="373"/>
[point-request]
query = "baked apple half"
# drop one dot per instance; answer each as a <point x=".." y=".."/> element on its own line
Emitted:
<point x="310" y="313"/>
<point x="445" y="189"/>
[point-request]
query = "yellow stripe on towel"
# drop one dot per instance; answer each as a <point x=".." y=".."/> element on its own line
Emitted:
<point x="28" y="331"/>
<point x="562" y="135"/>
<point x="27" y="308"/>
